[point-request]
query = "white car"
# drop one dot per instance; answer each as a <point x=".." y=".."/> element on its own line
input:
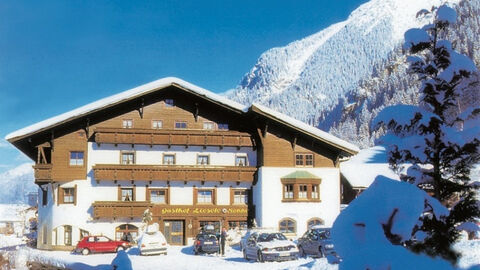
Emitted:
<point x="152" y="242"/>
<point x="269" y="247"/>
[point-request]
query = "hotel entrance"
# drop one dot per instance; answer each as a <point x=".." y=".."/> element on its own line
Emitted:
<point x="174" y="231"/>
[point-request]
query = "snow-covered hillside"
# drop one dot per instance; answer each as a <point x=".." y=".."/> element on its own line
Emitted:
<point x="340" y="77"/>
<point x="16" y="183"/>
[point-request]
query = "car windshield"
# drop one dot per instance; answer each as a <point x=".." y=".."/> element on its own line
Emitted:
<point x="323" y="234"/>
<point x="267" y="237"/>
<point x="208" y="237"/>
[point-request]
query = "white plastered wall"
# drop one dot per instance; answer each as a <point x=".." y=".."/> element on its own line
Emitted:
<point x="268" y="198"/>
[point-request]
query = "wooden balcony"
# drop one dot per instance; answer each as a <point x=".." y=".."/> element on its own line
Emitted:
<point x="116" y="209"/>
<point x="112" y="172"/>
<point x="119" y="209"/>
<point x="173" y="137"/>
<point x="43" y="173"/>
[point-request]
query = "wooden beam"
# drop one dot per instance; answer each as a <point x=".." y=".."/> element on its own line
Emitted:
<point x="294" y="141"/>
<point x="265" y="130"/>
<point x="140" y="109"/>
<point x="195" y="114"/>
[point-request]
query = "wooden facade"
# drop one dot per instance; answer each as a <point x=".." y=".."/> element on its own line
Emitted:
<point x="110" y="172"/>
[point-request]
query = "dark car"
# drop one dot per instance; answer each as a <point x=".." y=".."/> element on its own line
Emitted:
<point x="269" y="247"/>
<point x="316" y="242"/>
<point x="90" y="244"/>
<point x="206" y="242"/>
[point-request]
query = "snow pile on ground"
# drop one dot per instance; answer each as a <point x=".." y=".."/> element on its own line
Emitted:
<point x="387" y="207"/>
<point x="363" y="168"/>
<point x="470" y="253"/>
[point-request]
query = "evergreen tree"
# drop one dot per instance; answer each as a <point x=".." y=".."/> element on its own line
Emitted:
<point x="435" y="145"/>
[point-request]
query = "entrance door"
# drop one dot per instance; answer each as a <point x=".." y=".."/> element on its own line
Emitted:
<point x="174" y="231"/>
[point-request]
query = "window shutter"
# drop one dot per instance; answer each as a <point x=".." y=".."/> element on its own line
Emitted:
<point x="167" y="193"/>
<point x="195" y="195"/>
<point x="214" y="196"/>
<point x="134" y="193"/>
<point x="119" y="193"/>
<point x="309" y="192"/>
<point x="232" y="193"/>
<point x="75" y="195"/>
<point x="147" y="193"/>
<point x="59" y="195"/>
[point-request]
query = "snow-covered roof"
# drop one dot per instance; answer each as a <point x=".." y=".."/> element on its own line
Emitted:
<point x="313" y="131"/>
<point x="122" y="97"/>
<point x="160" y="84"/>
<point x="362" y="169"/>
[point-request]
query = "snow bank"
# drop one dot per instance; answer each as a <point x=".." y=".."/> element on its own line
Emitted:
<point x="359" y="235"/>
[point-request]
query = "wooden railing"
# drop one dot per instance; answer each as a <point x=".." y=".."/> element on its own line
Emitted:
<point x="112" y="172"/>
<point x="172" y="137"/>
<point x="104" y="209"/>
<point x="116" y="209"/>
<point x="43" y="173"/>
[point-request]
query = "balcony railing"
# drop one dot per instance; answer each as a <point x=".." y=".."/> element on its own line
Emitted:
<point x="43" y="173"/>
<point x="173" y="137"/>
<point x="112" y="172"/>
<point x="116" y="209"/>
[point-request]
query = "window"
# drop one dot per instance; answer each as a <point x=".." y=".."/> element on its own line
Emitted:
<point x="180" y="125"/>
<point x="44" y="196"/>
<point x="128" y="158"/>
<point x="67" y="235"/>
<point x="76" y="158"/>
<point x="158" y="196"/>
<point x="302" y="191"/>
<point x="222" y="126"/>
<point x="313" y="222"/>
<point x="169" y="159"/>
<point x="127" y="194"/>
<point x="127" y="123"/>
<point x="240" y="196"/>
<point x="315" y="193"/>
<point x="203" y="160"/>
<point x="205" y="196"/>
<point x="287" y="225"/>
<point x="288" y="191"/>
<point x="68" y="195"/>
<point x="157" y="124"/>
<point x="169" y="102"/>
<point x="241" y="225"/>
<point x="208" y="125"/>
<point x="241" y="161"/>
<point x="304" y="160"/>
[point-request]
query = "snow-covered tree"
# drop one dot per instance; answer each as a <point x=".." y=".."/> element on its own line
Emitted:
<point x="435" y="145"/>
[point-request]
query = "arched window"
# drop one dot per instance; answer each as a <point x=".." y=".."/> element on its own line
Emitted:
<point x="67" y="230"/>
<point x="123" y="230"/>
<point x="314" y="221"/>
<point x="287" y="225"/>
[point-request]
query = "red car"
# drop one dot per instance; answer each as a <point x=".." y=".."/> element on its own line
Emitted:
<point x="100" y="244"/>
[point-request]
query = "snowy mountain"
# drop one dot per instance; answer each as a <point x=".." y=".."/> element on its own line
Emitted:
<point x="339" y="78"/>
<point x="16" y="183"/>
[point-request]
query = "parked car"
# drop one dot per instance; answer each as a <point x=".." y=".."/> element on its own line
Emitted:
<point x="152" y="242"/>
<point x="206" y="242"/>
<point x="269" y="247"/>
<point x="90" y="244"/>
<point x="243" y="241"/>
<point x="316" y="242"/>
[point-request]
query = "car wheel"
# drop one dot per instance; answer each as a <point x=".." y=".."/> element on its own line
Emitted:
<point x="260" y="256"/>
<point x="301" y="252"/>
<point x="85" y="251"/>
<point x="120" y="248"/>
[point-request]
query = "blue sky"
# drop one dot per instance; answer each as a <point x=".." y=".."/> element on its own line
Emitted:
<point x="58" y="55"/>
